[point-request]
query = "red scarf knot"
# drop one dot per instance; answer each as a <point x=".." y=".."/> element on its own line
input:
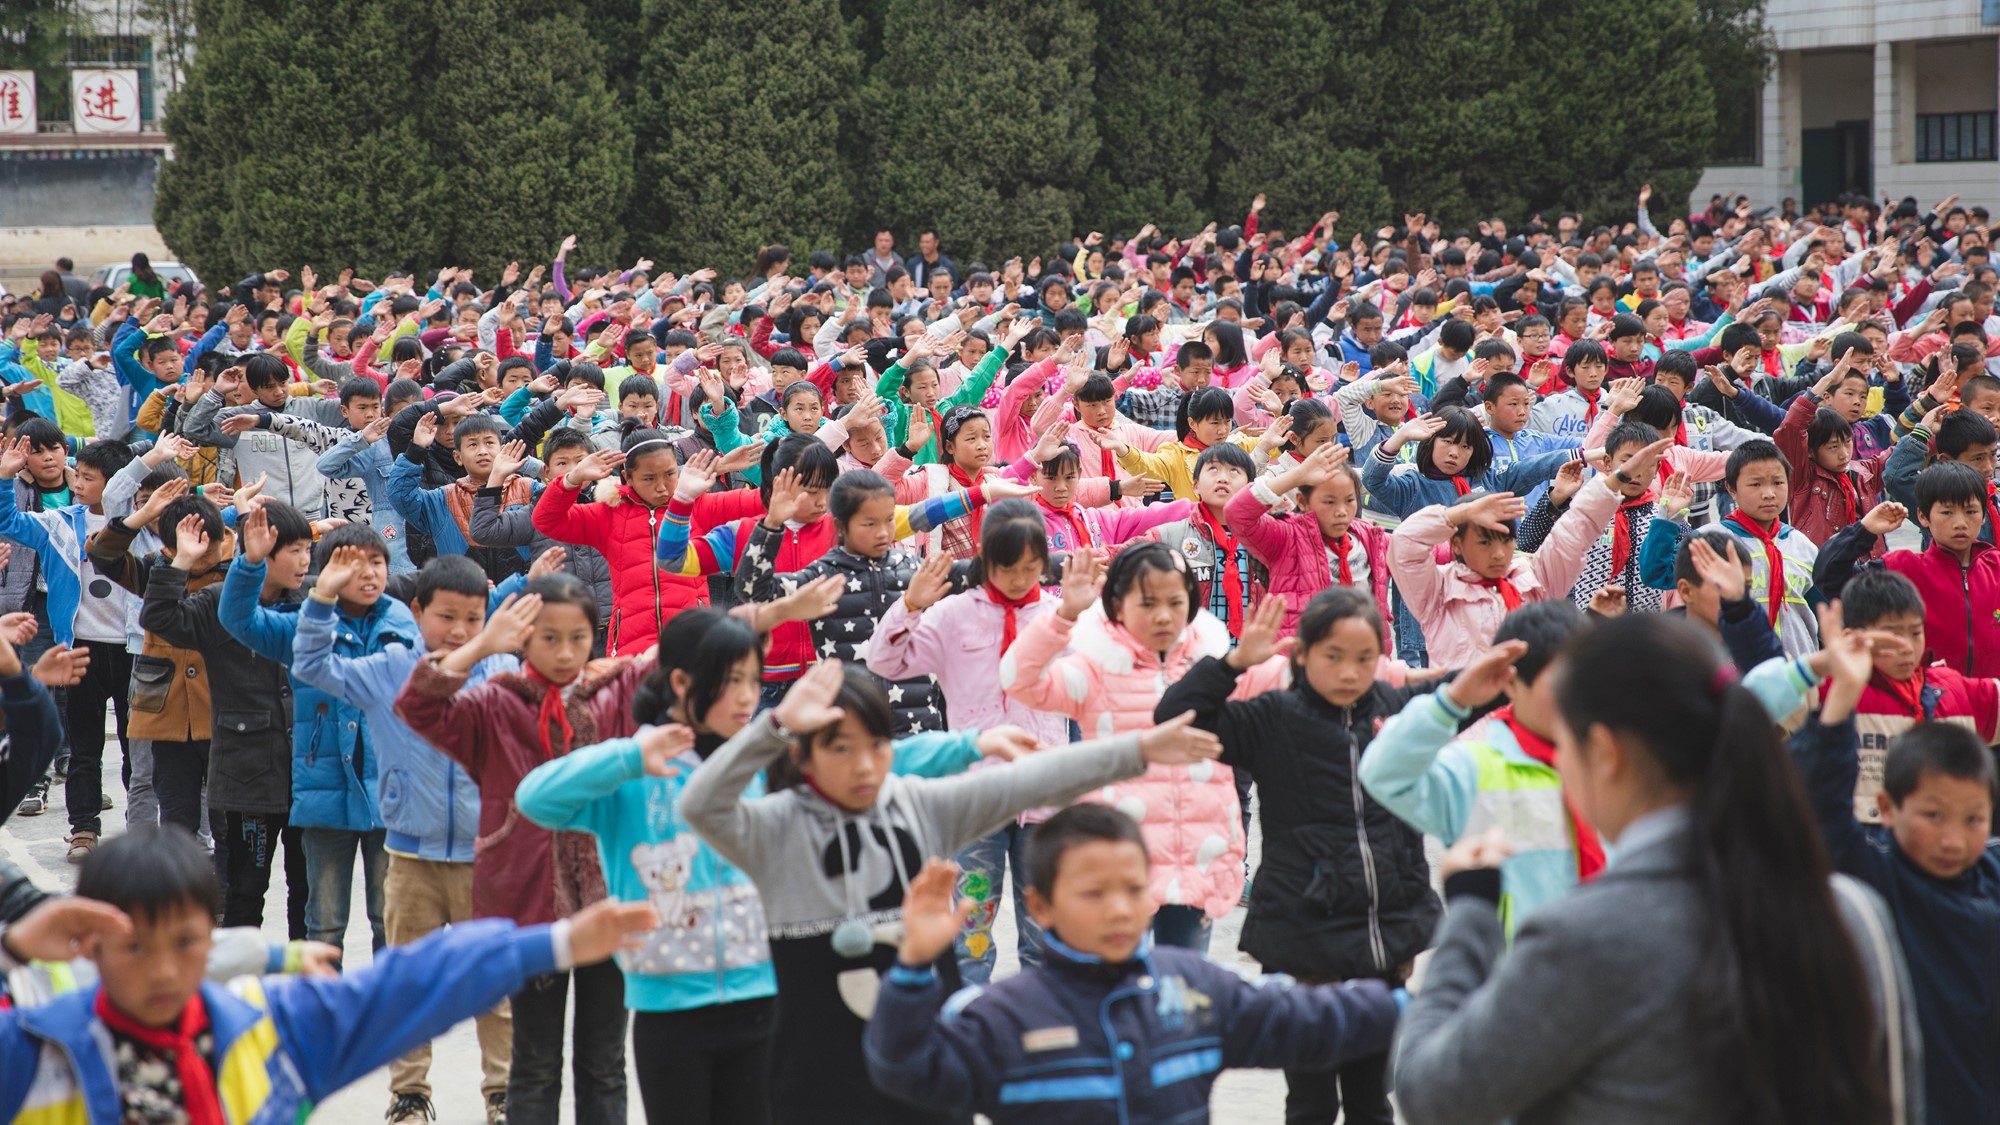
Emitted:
<point x="1589" y="850"/>
<point x="1509" y="593"/>
<point x="1774" y="560"/>
<point x="1225" y="562"/>
<point x="1080" y="537"/>
<point x="554" y="713"/>
<point x="203" y="1105"/>
<point x="970" y="483"/>
<point x="1011" y="626"/>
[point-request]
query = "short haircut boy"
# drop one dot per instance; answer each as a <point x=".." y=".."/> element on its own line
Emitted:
<point x="1949" y="482"/>
<point x="1949" y="749"/>
<point x="1876" y="594"/>
<point x="150" y="872"/>
<point x="1751" y="453"/>
<point x="1072" y="827"/>
<point x="455" y="574"/>
<point x="358" y="535"/>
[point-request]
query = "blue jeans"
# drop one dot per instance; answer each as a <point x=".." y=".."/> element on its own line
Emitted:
<point x="1183" y="927"/>
<point x="330" y="881"/>
<point x="1409" y="635"/>
<point x="982" y="872"/>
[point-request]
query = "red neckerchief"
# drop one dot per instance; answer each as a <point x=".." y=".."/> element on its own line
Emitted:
<point x="1193" y="442"/>
<point x="1773" y="557"/>
<point x="197" y="1079"/>
<point x="1621" y="531"/>
<point x="1339" y="548"/>
<point x="553" y="711"/>
<point x="1589" y="850"/>
<point x="1590" y="403"/>
<point x="1232" y="575"/>
<point x="1773" y="366"/>
<point x="1909" y="693"/>
<point x="1850" y="498"/>
<point x="969" y="483"/>
<point x="1509" y="594"/>
<point x="1106" y="463"/>
<point x="1010" y="628"/>
<point x="1993" y="507"/>
<point x="1079" y="530"/>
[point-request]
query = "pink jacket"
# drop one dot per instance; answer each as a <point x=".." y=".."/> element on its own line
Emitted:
<point x="958" y="641"/>
<point x="1295" y="553"/>
<point x="1109" y="683"/>
<point x="1459" y="615"/>
<point x="1109" y="525"/>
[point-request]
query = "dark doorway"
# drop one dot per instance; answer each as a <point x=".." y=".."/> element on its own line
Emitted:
<point x="1833" y="161"/>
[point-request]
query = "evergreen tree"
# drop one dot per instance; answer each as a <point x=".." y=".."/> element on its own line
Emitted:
<point x="1151" y="98"/>
<point x="739" y="131"/>
<point x="532" y="151"/>
<point x="979" y="124"/>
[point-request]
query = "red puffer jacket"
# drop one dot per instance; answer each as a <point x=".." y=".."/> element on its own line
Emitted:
<point x="624" y="530"/>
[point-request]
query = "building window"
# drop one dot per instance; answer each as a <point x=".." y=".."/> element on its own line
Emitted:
<point x="1949" y="137"/>
<point x="1737" y="134"/>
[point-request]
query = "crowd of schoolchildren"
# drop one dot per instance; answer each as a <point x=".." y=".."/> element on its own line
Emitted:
<point x="689" y="667"/>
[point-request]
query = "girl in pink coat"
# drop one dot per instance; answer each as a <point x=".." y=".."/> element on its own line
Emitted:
<point x="1324" y="545"/>
<point x="1146" y="633"/>
<point x="959" y="639"/>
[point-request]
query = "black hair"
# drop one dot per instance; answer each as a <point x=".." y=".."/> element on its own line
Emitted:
<point x="1877" y="592"/>
<point x="585" y="371"/>
<point x="456" y="574"/>
<point x="1068" y="458"/>
<point x="1979" y="384"/>
<point x="360" y="535"/>
<point x="192" y="504"/>
<point x="1847" y="342"/>
<point x="1460" y="425"/>
<point x="704" y="643"/>
<point x="1230" y="454"/>
<point x="478" y="424"/>
<point x="1289" y="372"/>
<point x="1500" y="384"/>
<point x="1753" y="452"/>
<point x="636" y="386"/>
<point x="805" y="455"/>
<point x="1097" y="388"/>
<point x="1130" y="566"/>
<point x="790" y="357"/>
<point x="1136" y="327"/>
<point x="1074" y="826"/>
<point x="1963" y="429"/>
<point x="401" y="390"/>
<point x="1827" y="425"/>
<point x="1545" y="627"/>
<point x="1458" y="335"/>
<point x="1626" y="325"/>
<point x="1949" y="482"/>
<point x="1012" y="528"/>
<point x="861" y="698"/>
<point x="1580" y="353"/>
<point x="956" y="419"/>
<point x="161" y="474"/>
<point x="564" y="588"/>
<point x="1362" y="310"/>
<point x="1307" y="414"/>
<point x="1493" y="348"/>
<point x="154" y="345"/>
<point x="107" y="457"/>
<point x="1629" y="433"/>
<point x="1725" y="544"/>
<point x="151" y="871"/>
<point x="1779" y="1000"/>
<point x="563" y="438"/>
<point x="1678" y="363"/>
<point x="291" y="524"/>
<point x="1943" y="748"/>
<point x="359" y="388"/>
<point x="1228" y="343"/>
<point x="853" y="489"/>
<point x="799" y="388"/>
<point x="1736" y="336"/>
<point x="264" y="370"/>
<point x="1193" y="351"/>
<point x="1327" y="609"/>
<point x="1204" y="405"/>
<point x="654" y="441"/>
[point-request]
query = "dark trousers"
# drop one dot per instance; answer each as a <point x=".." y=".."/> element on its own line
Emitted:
<point x="41" y="642"/>
<point x="705" y="1066"/>
<point x="179" y="771"/>
<point x="534" y="1083"/>
<point x="109" y="680"/>
<point x="246" y="849"/>
<point x="1315" y="1097"/>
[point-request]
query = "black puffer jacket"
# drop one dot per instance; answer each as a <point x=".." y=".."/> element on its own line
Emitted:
<point x="872" y="585"/>
<point x="1344" y="890"/>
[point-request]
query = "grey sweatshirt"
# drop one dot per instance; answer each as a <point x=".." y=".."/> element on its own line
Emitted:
<point x="779" y="839"/>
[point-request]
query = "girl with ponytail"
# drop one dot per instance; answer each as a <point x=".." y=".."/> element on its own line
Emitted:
<point x="1712" y="972"/>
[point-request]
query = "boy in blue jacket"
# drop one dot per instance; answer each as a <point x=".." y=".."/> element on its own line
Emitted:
<point x="430" y="809"/>
<point x="1110" y="1028"/>
<point x="334" y="766"/>
<point x="1933" y="859"/>
<point x="153" y="1038"/>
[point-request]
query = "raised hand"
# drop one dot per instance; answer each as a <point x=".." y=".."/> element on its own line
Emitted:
<point x="996" y="489"/>
<point x="699" y="474"/>
<point x="63" y="665"/>
<point x="659" y="746"/>
<point x="158" y="501"/>
<point x="1178" y="742"/>
<point x="425" y="432"/>
<point x="1416" y="429"/>
<point x="1608" y="601"/>
<point x="241" y="423"/>
<point x="340" y="569"/>
<point x="929" y="584"/>
<point x="787" y="493"/>
<point x="191" y="542"/>
<point x="1082" y="579"/>
<point x="599" y="464"/>
<point x="14" y="458"/>
<point x="1567" y="483"/>
<point x="1260" y="641"/>
<point x="1624" y="395"/>
<point x="65" y="928"/>
<point x="1007" y="743"/>
<point x="1494" y="511"/>
<point x="18" y="628"/>
<point x="741" y="458"/>
<point x="1884" y="518"/>
<point x="547" y="563"/>
<point x="809" y="708"/>
<point x="918" y="432"/>
<point x="1274" y="434"/>
<point x="1482" y="681"/>
<point x="378" y="429"/>
<point x="810" y="602"/>
<point x="931" y="918"/>
<point x="254" y="532"/>
<point x="609" y="926"/>
<point x="509" y="627"/>
<point x="1722" y="574"/>
<point x="1645" y="464"/>
<point x="508" y="461"/>
<point x="1676" y="496"/>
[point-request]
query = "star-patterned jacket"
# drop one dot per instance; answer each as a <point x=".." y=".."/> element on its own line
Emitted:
<point x="872" y="585"/>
